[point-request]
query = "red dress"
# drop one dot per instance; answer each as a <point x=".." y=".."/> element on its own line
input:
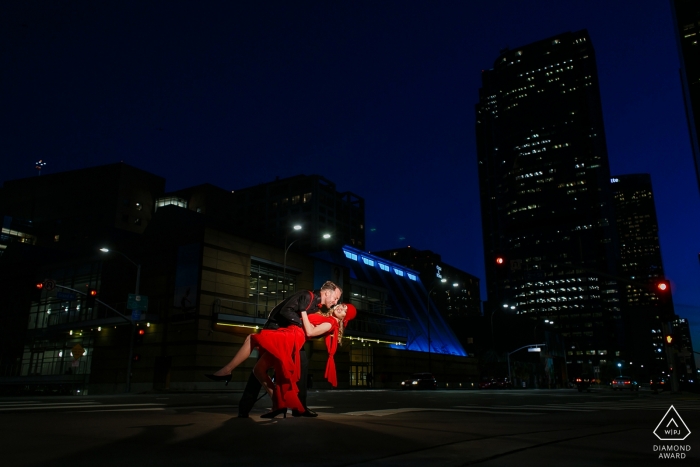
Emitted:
<point x="284" y="345"/>
<point x="331" y="344"/>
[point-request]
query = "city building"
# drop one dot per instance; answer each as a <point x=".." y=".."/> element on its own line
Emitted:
<point x="270" y="211"/>
<point x="645" y="308"/>
<point x="686" y="15"/>
<point x="456" y="293"/>
<point x="547" y="212"/>
<point x="177" y="293"/>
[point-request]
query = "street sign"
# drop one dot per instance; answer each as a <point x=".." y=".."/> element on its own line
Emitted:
<point x="137" y="302"/>
<point x="71" y="297"/>
<point x="49" y="284"/>
<point x="534" y="349"/>
<point x="135" y="315"/>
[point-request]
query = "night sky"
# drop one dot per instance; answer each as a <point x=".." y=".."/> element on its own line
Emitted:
<point x="377" y="96"/>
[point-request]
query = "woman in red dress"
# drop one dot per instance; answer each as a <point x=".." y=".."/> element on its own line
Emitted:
<point x="279" y="349"/>
<point x="331" y="325"/>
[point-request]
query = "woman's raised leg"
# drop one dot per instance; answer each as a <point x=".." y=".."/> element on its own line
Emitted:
<point x="242" y="354"/>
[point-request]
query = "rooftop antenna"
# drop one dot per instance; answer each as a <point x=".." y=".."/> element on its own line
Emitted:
<point x="40" y="165"/>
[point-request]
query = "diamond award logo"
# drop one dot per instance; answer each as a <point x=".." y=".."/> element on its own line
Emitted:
<point x="671" y="427"/>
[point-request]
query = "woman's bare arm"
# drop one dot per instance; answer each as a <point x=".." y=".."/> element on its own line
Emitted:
<point x="310" y="329"/>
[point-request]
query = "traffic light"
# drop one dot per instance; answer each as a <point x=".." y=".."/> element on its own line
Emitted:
<point x="36" y="289"/>
<point x="663" y="287"/>
<point x="500" y="261"/>
<point x="138" y="337"/>
<point x="670" y="340"/>
<point x="90" y="297"/>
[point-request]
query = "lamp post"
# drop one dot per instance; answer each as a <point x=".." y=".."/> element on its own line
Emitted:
<point x="435" y="283"/>
<point x="296" y="227"/>
<point x="133" y="324"/>
<point x="287" y="246"/>
<point x="530" y="348"/>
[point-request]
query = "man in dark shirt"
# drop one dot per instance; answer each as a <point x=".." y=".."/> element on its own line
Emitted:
<point x="288" y="313"/>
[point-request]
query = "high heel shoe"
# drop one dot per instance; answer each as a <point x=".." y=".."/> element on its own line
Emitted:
<point x="225" y="378"/>
<point x="274" y="413"/>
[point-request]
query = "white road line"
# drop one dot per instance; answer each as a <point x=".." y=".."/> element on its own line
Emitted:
<point x="144" y="409"/>
<point x="525" y="407"/>
<point x="70" y="406"/>
<point x="384" y="412"/>
<point x="39" y="404"/>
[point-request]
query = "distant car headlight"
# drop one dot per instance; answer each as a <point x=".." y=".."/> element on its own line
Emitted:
<point x="415" y="382"/>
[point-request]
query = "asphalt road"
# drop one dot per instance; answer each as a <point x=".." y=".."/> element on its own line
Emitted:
<point x="375" y="427"/>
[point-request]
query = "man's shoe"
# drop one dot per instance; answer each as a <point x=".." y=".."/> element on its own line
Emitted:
<point x="306" y="413"/>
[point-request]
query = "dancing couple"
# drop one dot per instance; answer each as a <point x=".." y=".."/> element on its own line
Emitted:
<point x="304" y="314"/>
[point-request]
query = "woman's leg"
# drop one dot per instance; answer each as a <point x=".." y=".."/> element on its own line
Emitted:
<point x="242" y="354"/>
<point x="265" y="362"/>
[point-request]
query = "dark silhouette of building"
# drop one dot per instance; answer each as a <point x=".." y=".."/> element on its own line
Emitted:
<point x="547" y="213"/>
<point x="643" y="305"/>
<point x="686" y="14"/>
<point x="209" y="271"/>
<point x="269" y="211"/>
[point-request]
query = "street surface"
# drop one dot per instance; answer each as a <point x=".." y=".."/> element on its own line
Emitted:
<point x="371" y="427"/>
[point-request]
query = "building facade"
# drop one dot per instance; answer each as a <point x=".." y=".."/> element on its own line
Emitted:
<point x="686" y="15"/>
<point x="204" y="284"/>
<point x="457" y="294"/>
<point x="643" y="309"/>
<point x="547" y="211"/>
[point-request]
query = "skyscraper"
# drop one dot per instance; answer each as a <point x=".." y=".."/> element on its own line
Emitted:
<point x="642" y="307"/>
<point x="547" y="212"/>
<point x="686" y="15"/>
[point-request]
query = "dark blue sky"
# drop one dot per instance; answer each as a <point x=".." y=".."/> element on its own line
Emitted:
<point x="377" y="96"/>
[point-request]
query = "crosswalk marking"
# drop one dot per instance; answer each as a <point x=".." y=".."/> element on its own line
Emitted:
<point x="384" y="412"/>
<point x="526" y="407"/>
<point x="71" y="405"/>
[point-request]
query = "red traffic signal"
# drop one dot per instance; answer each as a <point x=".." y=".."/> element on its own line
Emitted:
<point x="90" y="297"/>
<point x="500" y="260"/>
<point x="36" y="291"/>
<point x="141" y="332"/>
<point x="662" y="286"/>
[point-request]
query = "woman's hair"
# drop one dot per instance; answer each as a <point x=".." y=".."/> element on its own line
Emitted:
<point x="329" y="312"/>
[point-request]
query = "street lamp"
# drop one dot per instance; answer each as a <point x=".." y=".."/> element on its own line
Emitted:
<point x="133" y="324"/>
<point x="434" y="284"/>
<point x="619" y="365"/>
<point x="296" y="227"/>
<point x="530" y="348"/>
<point x="287" y="246"/>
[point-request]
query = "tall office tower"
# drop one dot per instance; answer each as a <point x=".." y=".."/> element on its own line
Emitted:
<point x="547" y="212"/>
<point x="686" y="14"/>
<point x="643" y="306"/>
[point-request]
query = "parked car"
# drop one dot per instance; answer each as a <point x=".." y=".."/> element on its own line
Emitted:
<point x="486" y="383"/>
<point x="420" y="381"/>
<point x="502" y="383"/>
<point x="583" y="383"/>
<point x="624" y="382"/>
<point x="659" y="383"/>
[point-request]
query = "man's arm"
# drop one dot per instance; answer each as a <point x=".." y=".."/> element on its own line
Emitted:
<point x="291" y="311"/>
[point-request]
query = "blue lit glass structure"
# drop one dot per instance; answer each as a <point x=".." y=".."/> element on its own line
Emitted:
<point x="408" y="298"/>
